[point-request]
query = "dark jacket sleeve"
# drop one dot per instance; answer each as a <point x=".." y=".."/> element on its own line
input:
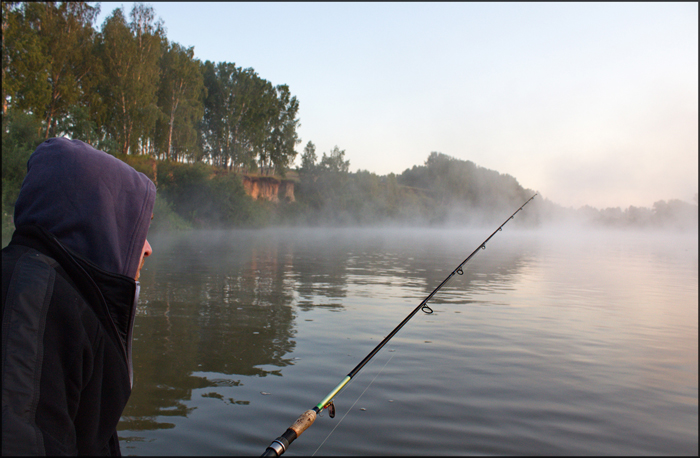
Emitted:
<point x="50" y="353"/>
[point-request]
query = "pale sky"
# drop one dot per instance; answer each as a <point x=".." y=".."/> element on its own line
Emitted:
<point x="589" y="103"/>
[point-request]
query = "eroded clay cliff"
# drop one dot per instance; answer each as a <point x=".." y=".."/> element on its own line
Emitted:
<point x="269" y="188"/>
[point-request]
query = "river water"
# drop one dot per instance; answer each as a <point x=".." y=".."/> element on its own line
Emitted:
<point x="552" y="342"/>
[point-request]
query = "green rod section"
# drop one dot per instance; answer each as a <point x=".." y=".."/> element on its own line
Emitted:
<point x="328" y="398"/>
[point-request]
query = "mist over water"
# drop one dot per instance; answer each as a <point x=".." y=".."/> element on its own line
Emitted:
<point x="552" y="342"/>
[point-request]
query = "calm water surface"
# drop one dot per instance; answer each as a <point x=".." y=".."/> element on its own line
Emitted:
<point x="550" y="343"/>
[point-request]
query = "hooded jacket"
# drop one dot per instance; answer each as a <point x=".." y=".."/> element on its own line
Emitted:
<point x="69" y="300"/>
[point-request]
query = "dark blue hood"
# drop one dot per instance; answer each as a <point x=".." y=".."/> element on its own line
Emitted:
<point x="92" y="202"/>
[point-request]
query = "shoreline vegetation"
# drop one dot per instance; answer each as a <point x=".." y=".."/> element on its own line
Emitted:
<point x="199" y="130"/>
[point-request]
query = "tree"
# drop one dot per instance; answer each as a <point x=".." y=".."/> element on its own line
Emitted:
<point x="65" y="35"/>
<point x="21" y="55"/>
<point x="334" y="161"/>
<point x="226" y="108"/>
<point x="20" y="137"/>
<point x="325" y="188"/>
<point x="258" y="137"/>
<point x="462" y="190"/>
<point x="233" y="124"/>
<point x="130" y="54"/>
<point x="308" y="158"/>
<point x="283" y="135"/>
<point x="181" y="99"/>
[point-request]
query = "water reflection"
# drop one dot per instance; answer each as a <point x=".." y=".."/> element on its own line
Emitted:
<point x="209" y="304"/>
<point x="225" y="303"/>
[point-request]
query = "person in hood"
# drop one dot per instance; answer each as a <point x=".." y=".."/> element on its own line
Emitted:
<point x="69" y="294"/>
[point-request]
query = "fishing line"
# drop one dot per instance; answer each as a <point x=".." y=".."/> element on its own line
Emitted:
<point x="351" y="407"/>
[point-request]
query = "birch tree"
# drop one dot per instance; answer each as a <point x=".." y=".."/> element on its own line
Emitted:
<point x="181" y="99"/>
<point x="130" y="53"/>
<point x="47" y="58"/>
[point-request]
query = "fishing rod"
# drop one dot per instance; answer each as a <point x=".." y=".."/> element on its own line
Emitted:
<point x="281" y="444"/>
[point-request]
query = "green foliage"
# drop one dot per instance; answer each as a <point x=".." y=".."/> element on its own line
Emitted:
<point x="126" y="89"/>
<point x="334" y="162"/>
<point x="164" y="217"/>
<point x="233" y="206"/>
<point x="464" y="191"/>
<point x="181" y="98"/>
<point x="49" y="62"/>
<point x="24" y="62"/>
<point x="281" y="133"/>
<point x="329" y="194"/>
<point x="444" y="190"/>
<point x="207" y="198"/>
<point x="248" y="124"/>
<point x="20" y="137"/>
<point x="184" y="186"/>
<point x="141" y="163"/>
<point x="308" y="159"/>
<point x="130" y="53"/>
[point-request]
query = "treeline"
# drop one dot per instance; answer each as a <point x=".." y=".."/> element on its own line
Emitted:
<point x="449" y="191"/>
<point x="127" y="89"/>
<point x="442" y="191"/>
<point x="664" y="214"/>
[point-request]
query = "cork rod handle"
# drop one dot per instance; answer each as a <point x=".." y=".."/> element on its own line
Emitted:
<point x="304" y="421"/>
